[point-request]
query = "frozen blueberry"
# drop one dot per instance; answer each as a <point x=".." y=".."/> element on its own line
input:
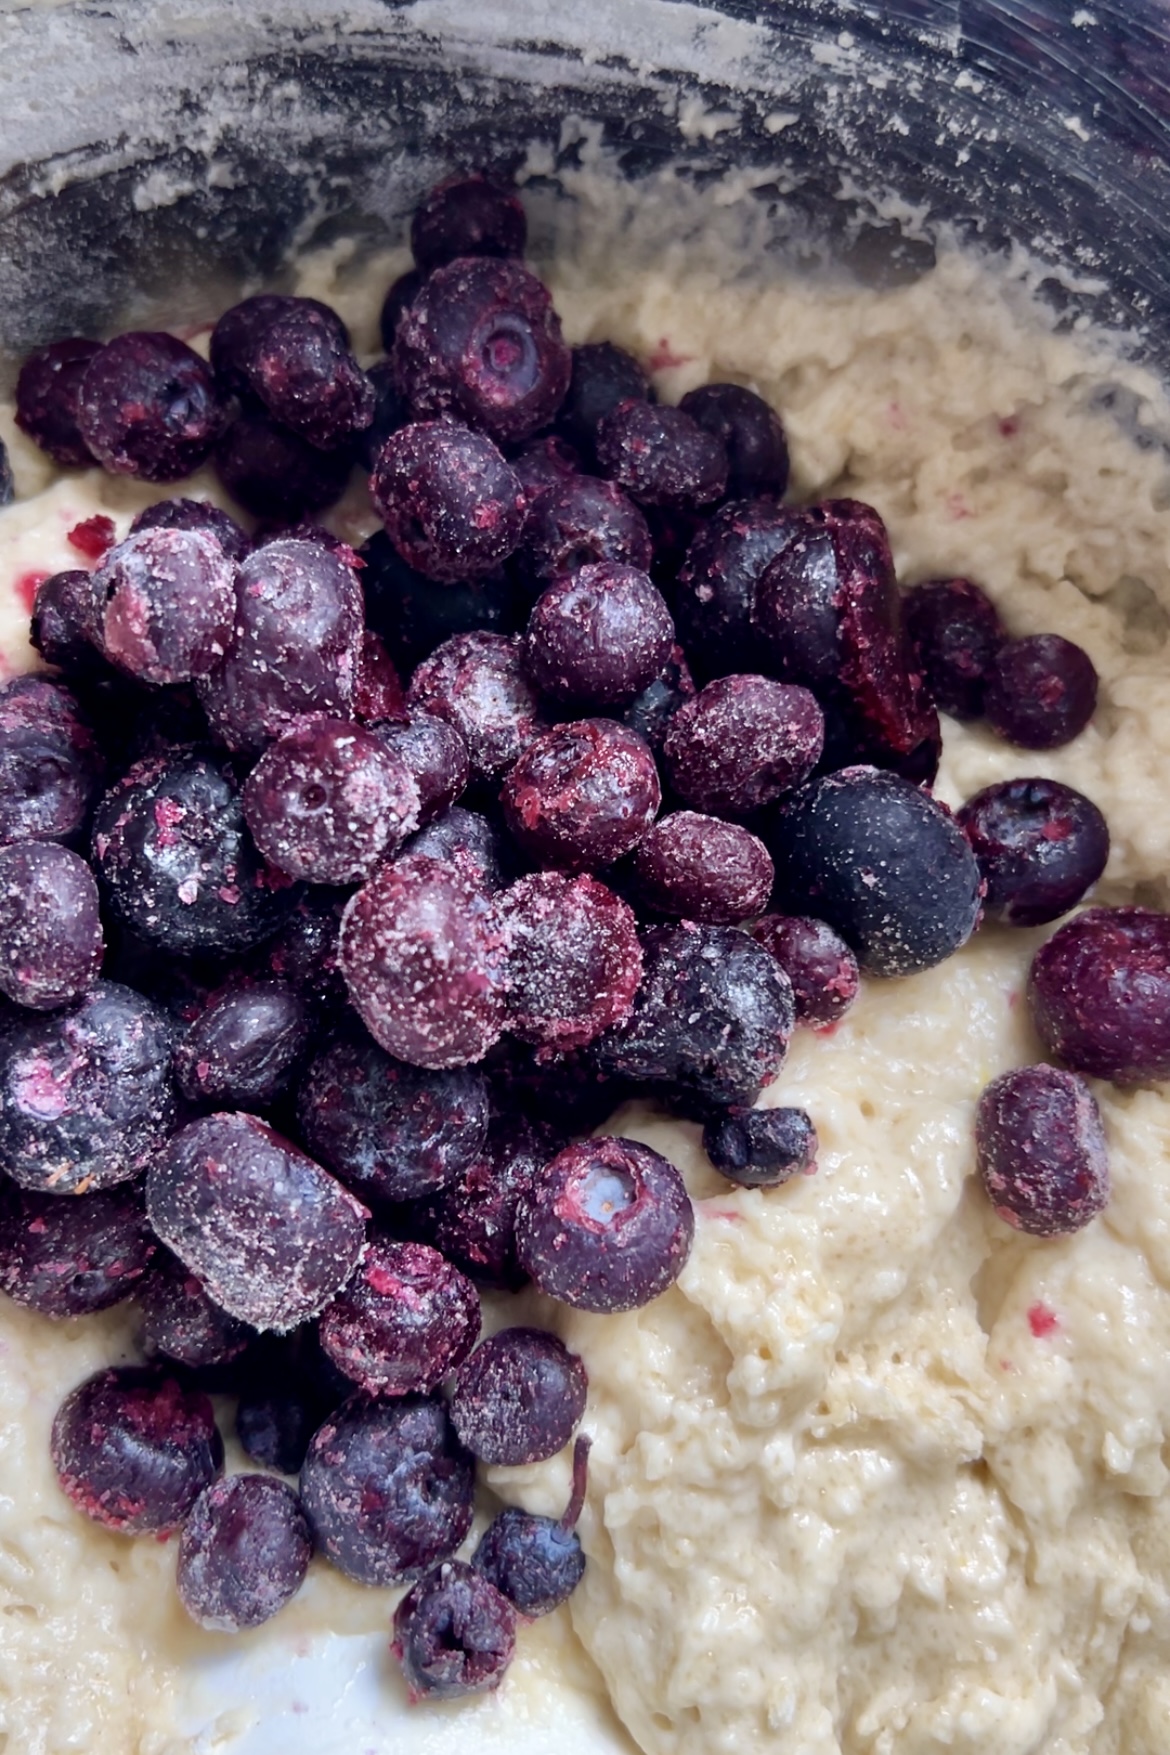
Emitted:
<point x="147" y="406"/>
<point x="468" y="214"/>
<point x="477" y="683"/>
<point x="328" y="800"/>
<point x="761" y="1148"/>
<point x="650" y="713"/>
<point x="1099" y="991"/>
<point x="711" y="1021"/>
<point x="47" y="392"/>
<point x="519" y="1397"/>
<point x="63" y="625"/>
<point x="956" y="633"/>
<point x="283" y="1401"/>
<point x="1041" y="1150"/>
<point x="378" y="694"/>
<point x="566" y="1092"/>
<point x="303" y="952"/>
<point x="470" y="836"/>
<point x="201" y="515"/>
<point x="582" y="794"/>
<point x="176" y="862"/>
<point x="414" y="614"/>
<point x="716" y="586"/>
<point x="884" y="864"/>
<point x="607" y="1225"/>
<point x="742" y="742"/>
<point x="424" y="956"/>
<point x="51" y="941"/>
<point x="696" y="867"/>
<point x="576" y="523"/>
<point x="751" y="432"/>
<point x="454" y="1634"/>
<point x="404" y="1322"/>
<point x="274" y="473"/>
<point x="391" y="411"/>
<point x="300" y="367"/>
<point x="272" y="1236"/>
<point x="451" y="505"/>
<point x="536" y="1562"/>
<point x="481" y="341"/>
<point x="50" y="765"/>
<point x="388" y="1488"/>
<point x="133" y="1450"/>
<point x="243" y="1553"/>
<point x="1041" y="692"/>
<point x="434" y="755"/>
<point x="544" y="462"/>
<point x="400" y="295"/>
<point x="575" y="960"/>
<point x="473" y="1218"/>
<point x="298" y="639"/>
<point x="602" y="376"/>
<point x="238" y="328"/>
<point x="242" y="1048"/>
<point x="86" y="1098"/>
<point x="599" y="636"/>
<point x="1040" y="845"/>
<point x="165" y="604"/>
<point x="660" y="456"/>
<point x="821" y="967"/>
<point x="72" y="1257"/>
<point x="182" y="1321"/>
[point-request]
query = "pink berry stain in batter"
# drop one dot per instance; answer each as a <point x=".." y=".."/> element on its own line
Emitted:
<point x="1042" y="1321"/>
<point x="25" y="585"/>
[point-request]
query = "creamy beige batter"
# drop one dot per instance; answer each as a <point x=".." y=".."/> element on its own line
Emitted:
<point x="879" y="1476"/>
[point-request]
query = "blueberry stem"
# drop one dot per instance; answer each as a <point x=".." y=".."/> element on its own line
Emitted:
<point x="576" y="1503"/>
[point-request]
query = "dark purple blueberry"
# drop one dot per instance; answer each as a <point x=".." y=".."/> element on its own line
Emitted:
<point x="424" y="956"/>
<point x="477" y="683"/>
<point x="821" y="967"/>
<point x="391" y="1132"/>
<point x="660" y="456"/>
<point x="435" y="756"/>
<point x="243" y="1553"/>
<point x="242" y="1048"/>
<point x="761" y="1148"/>
<point x="473" y="1218"/>
<point x="454" y="1634"/>
<point x="602" y="376"/>
<point x="72" y="1257"/>
<point x="1041" y="692"/>
<point x="391" y="411"/>
<point x="884" y="864"/>
<point x="481" y="342"/>
<point x="236" y="333"/>
<point x="86" y="1098"/>
<point x="751" y="432"/>
<point x="1041" y="847"/>
<point x="576" y="523"/>
<point x="544" y="463"/>
<point x="388" y="1488"/>
<point x="599" y="636"/>
<point x="147" y="406"/>
<point x="272" y="1235"/>
<point x="165" y="605"/>
<point x="51" y="942"/>
<point x="956" y="633"/>
<point x="414" y="614"/>
<point x="303" y="953"/>
<point x="1041" y="1150"/>
<point x="742" y="742"/>
<point x="63" y="624"/>
<point x="47" y="393"/>
<point x="711" y="1021"/>
<point x="695" y="867"/>
<point x="404" y="1322"/>
<point x="1099" y="992"/>
<point x="134" y="1451"/>
<point x="650" y="713"/>
<point x="182" y="1321"/>
<point x="50" y="765"/>
<point x="176" y="861"/>
<point x="519" y="1397"/>
<point x="536" y="1562"/>
<point x="298" y="641"/>
<point x="582" y="794"/>
<point x="328" y="800"/>
<point x="716" y="587"/>
<point x="468" y="214"/>
<point x="607" y="1225"/>
<point x="182" y="514"/>
<point x="575" y="960"/>
<point x="452" y="506"/>
<point x="400" y="295"/>
<point x="303" y="372"/>
<point x="378" y="693"/>
<point x="470" y="836"/>
<point x="289" y="1391"/>
<point x="273" y="473"/>
<point x="565" y="1092"/>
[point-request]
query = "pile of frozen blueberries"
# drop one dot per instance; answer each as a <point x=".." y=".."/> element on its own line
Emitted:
<point x="342" y="894"/>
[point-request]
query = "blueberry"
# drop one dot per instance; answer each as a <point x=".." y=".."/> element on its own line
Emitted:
<point x="1099" y="992"/>
<point x="477" y="683"/>
<point x="388" y="1488"/>
<point x="519" y="1397"/>
<point x="378" y="694"/>
<point x="761" y="1148"/>
<point x="536" y="1562"/>
<point x="660" y="456"/>
<point x="471" y="837"/>
<point x="473" y="1218"/>
<point x="1041" y="692"/>
<point x="68" y="1258"/>
<point x="468" y="214"/>
<point x="182" y="1321"/>
<point x="274" y="473"/>
<point x="575" y="523"/>
<point x="47" y="393"/>
<point x="404" y="1322"/>
<point x="243" y="1553"/>
<point x="452" y="506"/>
<point x="696" y="867"/>
<point x="575" y="961"/>
<point x="454" y="1634"/>
<point x="741" y="743"/>
<point x="303" y="952"/>
<point x="716" y="586"/>
<point x="285" y="1397"/>
<point x="133" y="1450"/>
<point x="599" y="636"/>
<point x="165" y="604"/>
<point x="147" y="406"/>
<point x="607" y="1225"/>
<point x="240" y="1051"/>
<point x="650" y="713"/>
<point x="434" y="755"/>
<point x="414" y="614"/>
<point x="544" y="462"/>
<point x="1041" y="847"/>
<point x="182" y="514"/>
<point x="391" y="411"/>
<point x="582" y="795"/>
<point x="751" y="432"/>
<point x="299" y="366"/>
<point x="956" y="634"/>
<point x="50" y="765"/>
<point x="1041" y="1150"/>
<point x="602" y="376"/>
<point x="64" y="625"/>
<point x="884" y="864"/>
<point x="821" y="967"/>
<point x="51" y="942"/>
<point x="238" y="329"/>
<point x="400" y="295"/>
<point x="272" y="1236"/>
